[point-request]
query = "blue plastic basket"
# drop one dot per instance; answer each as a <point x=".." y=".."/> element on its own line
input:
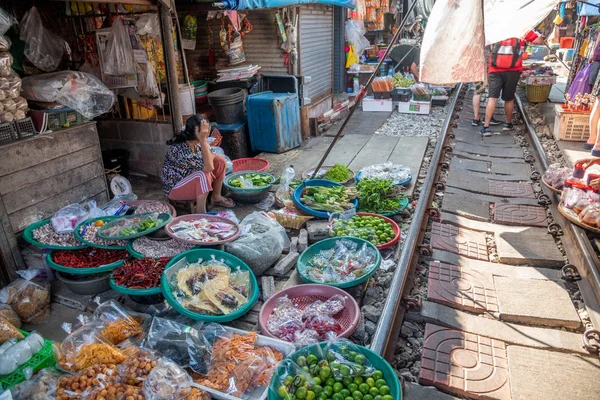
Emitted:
<point x="315" y="182"/>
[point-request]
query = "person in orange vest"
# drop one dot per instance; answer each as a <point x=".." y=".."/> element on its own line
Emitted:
<point x="504" y="70"/>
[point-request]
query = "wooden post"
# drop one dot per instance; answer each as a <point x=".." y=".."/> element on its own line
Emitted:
<point x="171" y="66"/>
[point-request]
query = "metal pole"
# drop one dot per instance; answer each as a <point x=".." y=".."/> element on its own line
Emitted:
<point x="166" y="25"/>
<point x="386" y="320"/>
<point x="364" y="89"/>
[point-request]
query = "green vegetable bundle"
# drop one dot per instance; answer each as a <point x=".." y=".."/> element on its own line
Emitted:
<point x="338" y="173"/>
<point x="378" y="196"/>
<point x="257" y="180"/>
<point x="401" y="82"/>
<point x="328" y="199"/>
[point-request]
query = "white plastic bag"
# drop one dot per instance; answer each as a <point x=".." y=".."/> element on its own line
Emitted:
<point x="453" y="49"/>
<point x="118" y="58"/>
<point x="354" y="34"/>
<point x="80" y="91"/>
<point x="6" y="21"/>
<point x="43" y="48"/>
<point x="148" y="86"/>
<point x="66" y="219"/>
<point x="147" y="24"/>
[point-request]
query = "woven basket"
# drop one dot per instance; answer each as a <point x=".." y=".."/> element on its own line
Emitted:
<point x="292" y="221"/>
<point x="538" y="93"/>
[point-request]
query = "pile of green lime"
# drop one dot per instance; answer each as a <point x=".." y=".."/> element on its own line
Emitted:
<point x="333" y="379"/>
<point x="373" y="229"/>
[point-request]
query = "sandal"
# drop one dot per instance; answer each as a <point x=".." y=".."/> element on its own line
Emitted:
<point x="587" y="146"/>
<point x="225" y="202"/>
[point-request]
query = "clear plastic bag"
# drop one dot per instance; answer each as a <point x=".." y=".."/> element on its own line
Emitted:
<point x="185" y="345"/>
<point x="118" y="57"/>
<point x="29" y="298"/>
<point x="148" y="86"/>
<point x="167" y="381"/>
<point x="6" y="21"/>
<point x="5" y="43"/>
<point x="67" y="218"/>
<point x="419" y="88"/>
<point x="43" y="48"/>
<point x="261" y="244"/>
<point x="347" y="359"/>
<point x="118" y="325"/>
<point x="355" y="34"/>
<point x="80" y="91"/>
<point x="124" y="227"/>
<point x="42" y="387"/>
<point x="395" y="173"/>
<point x="291" y="379"/>
<point x="572" y="193"/>
<point x="285" y="320"/>
<point x="147" y="24"/>
<point x="137" y="367"/>
<point x="8" y="331"/>
<point x="10" y="315"/>
<point x="284" y="192"/>
<point x="6" y="61"/>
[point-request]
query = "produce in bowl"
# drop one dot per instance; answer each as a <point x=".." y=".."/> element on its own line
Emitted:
<point x="129" y="227"/>
<point x="329" y="199"/>
<point x="251" y="180"/>
<point x="379" y="196"/>
<point x="371" y="228"/>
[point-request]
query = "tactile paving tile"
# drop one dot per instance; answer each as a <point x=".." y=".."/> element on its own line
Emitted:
<point x="461" y="288"/>
<point x="511" y="189"/>
<point x="520" y="214"/>
<point x="465" y="364"/>
<point x="466" y="242"/>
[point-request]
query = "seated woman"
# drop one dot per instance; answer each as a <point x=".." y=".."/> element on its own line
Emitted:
<point x="191" y="170"/>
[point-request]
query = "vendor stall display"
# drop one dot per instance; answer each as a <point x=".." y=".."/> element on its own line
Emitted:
<point x="203" y="229"/>
<point x="380" y="196"/>
<point x="42" y="234"/>
<point x="341" y="261"/>
<point x="131" y="227"/>
<point x="209" y="285"/>
<point x="249" y="186"/>
<point x="555" y="176"/>
<point x="337" y="173"/>
<point x="145" y="247"/>
<point x="381" y="231"/>
<point x="86" y="232"/>
<point x="319" y="197"/>
<point x="87" y="258"/>
<point x="139" y="274"/>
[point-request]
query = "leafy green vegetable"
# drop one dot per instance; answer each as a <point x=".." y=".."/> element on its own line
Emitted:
<point x="257" y="180"/>
<point x="329" y="199"/>
<point x="401" y="82"/>
<point x="379" y="196"/>
<point x="338" y="173"/>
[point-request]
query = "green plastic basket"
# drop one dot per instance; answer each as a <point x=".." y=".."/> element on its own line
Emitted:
<point x="374" y="359"/>
<point x="328" y="244"/>
<point x="28" y="236"/>
<point x="206" y="254"/>
<point x="42" y="359"/>
<point x="248" y="195"/>
<point x="134" y="292"/>
<point x="100" y="246"/>
<point x="81" y="271"/>
<point x="163" y="219"/>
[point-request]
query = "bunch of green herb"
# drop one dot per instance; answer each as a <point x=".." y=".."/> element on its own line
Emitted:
<point x="379" y="196"/>
<point x="329" y="199"/>
<point x="338" y="173"/>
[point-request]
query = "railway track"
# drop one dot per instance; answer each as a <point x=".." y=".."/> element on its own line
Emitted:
<point x="497" y="316"/>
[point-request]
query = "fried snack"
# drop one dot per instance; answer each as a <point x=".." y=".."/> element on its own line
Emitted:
<point x="8" y="331"/>
<point x="98" y="353"/>
<point x="136" y="368"/>
<point x="10" y="315"/>
<point x="88" y="380"/>
<point x="121" y="329"/>
<point x="194" y="394"/>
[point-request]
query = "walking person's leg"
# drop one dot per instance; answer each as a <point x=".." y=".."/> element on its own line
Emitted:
<point x="494" y="89"/>
<point x="511" y="81"/>
<point x="479" y="90"/>
<point x="594" y="126"/>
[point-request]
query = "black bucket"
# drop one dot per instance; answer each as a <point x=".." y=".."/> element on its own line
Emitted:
<point x="116" y="158"/>
<point x="228" y="105"/>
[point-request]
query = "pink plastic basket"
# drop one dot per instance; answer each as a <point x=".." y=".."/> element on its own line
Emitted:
<point x="303" y="295"/>
<point x="140" y="202"/>
<point x="250" y="164"/>
<point x="195" y="217"/>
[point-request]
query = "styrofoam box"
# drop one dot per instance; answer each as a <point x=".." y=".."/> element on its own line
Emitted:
<point x="369" y="103"/>
<point x="414" y="107"/>
<point x="261" y="392"/>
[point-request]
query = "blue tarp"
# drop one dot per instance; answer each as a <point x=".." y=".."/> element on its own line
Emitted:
<point x="256" y="4"/>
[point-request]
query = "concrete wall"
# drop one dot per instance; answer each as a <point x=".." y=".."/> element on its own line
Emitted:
<point x="146" y="141"/>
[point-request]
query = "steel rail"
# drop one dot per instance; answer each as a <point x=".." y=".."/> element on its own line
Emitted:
<point x="590" y="267"/>
<point x="386" y="322"/>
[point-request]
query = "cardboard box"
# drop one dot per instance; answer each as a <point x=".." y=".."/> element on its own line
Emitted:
<point x="415" y="107"/>
<point x="371" y="104"/>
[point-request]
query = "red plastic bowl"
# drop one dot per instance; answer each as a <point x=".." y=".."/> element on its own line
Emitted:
<point x="250" y="164"/>
<point x="304" y="295"/>
<point x="395" y="227"/>
<point x="195" y="217"/>
<point x="140" y="202"/>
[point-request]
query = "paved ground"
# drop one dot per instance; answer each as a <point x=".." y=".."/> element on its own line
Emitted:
<point x="506" y="329"/>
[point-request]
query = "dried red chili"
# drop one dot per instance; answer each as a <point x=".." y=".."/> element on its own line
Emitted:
<point x="143" y="273"/>
<point x="87" y="258"/>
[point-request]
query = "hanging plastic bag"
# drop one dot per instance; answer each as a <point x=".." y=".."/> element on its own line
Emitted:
<point x="261" y="244"/>
<point x="355" y="34"/>
<point x="581" y="84"/>
<point x="43" y="48"/>
<point x="147" y="24"/>
<point x="78" y="90"/>
<point x="118" y="56"/>
<point x="148" y="86"/>
<point x="67" y="218"/>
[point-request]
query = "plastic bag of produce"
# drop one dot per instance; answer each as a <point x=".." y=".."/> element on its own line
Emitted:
<point x="29" y="297"/>
<point x="355" y="34"/>
<point x="5" y="43"/>
<point x="147" y="85"/>
<point x="8" y="331"/>
<point x="167" y="381"/>
<point x="118" y="325"/>
<point x="6" y="61"/>
<point x="78" y="90"/>
<point x="136" y="368"/>
<point x="285" y="320"/>
<point x="293" y="380"/>
<point x="284" y="192"/>
<point x="42" y="387"/>
<point x="147" y="24"/>
<point x="67" y="218"/>
<point x="6" y="21"/>
<point x="346" y="359"/>
<point x="10" y="315"/>
<point x="43" y="48"/>
<point x="185" y="345"/>
<point x="118" y="56"/>
<point x="261" y="244"/>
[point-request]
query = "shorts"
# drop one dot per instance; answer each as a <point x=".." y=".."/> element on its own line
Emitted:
<point x="480" y="87"/>
<point x="504" y="82"/>
<point x="198" y="183"/>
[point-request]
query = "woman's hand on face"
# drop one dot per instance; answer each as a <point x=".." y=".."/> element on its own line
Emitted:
<point x="203" y="131"/>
